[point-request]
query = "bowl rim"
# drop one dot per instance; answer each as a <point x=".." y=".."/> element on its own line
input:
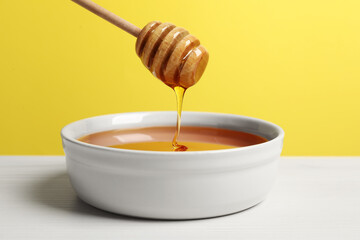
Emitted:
<point x="280" y="135"/>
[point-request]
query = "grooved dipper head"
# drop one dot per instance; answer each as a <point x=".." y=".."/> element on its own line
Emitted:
<point x="171" y="54"/>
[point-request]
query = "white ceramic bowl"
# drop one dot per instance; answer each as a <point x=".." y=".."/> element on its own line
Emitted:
<point x="172" y="185"/>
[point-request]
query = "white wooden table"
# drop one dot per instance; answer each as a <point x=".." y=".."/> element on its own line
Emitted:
<point x="314" y="198"/>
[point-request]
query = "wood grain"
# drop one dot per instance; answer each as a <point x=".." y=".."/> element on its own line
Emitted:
<point x="172" y="54"/>
<point x="162" y="47"/>
<point x="109" y="16"/>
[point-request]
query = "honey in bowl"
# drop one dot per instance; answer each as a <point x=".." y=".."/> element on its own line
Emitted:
<point x="160" y="138"/>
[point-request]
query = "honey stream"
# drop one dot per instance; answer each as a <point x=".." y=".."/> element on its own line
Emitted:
<point x="175" y="57"/>
<point x="179" y="93"/>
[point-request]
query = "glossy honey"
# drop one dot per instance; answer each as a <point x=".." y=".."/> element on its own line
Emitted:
<point x="161" y="138"/>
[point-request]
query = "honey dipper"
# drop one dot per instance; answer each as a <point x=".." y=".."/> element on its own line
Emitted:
<point x="169" y="52"/>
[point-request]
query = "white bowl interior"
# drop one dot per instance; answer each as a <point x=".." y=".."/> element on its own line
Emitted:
<point x="151" y="119"/>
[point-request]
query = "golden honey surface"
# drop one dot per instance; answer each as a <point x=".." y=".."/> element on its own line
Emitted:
<point x="160" y="138"/>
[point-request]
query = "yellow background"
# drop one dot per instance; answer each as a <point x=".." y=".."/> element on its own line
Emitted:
<point x="294" y="63"/>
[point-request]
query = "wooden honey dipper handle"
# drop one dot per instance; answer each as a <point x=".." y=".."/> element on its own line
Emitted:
<point x="169" y="52"/>
<point x="109" y="16"/>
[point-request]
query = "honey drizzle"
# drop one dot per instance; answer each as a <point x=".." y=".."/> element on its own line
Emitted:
<point x="176" y="86"/>
<point x="179" y="93"/>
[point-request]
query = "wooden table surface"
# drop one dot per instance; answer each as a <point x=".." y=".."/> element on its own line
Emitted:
<point x="314" y="198"/>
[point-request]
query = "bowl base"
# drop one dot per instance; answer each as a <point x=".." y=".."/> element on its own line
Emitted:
<point x="170" y="218"/>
